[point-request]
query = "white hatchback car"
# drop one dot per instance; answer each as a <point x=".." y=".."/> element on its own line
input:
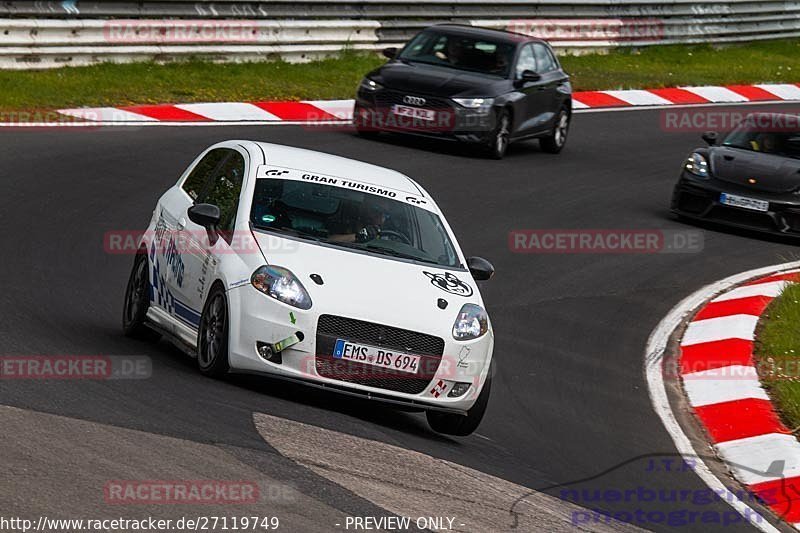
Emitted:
<point x="319" y="269"/>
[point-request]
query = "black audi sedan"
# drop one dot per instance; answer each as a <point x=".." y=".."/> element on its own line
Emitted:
<point x="751" y="180"/>
<point x="471" y="84"/>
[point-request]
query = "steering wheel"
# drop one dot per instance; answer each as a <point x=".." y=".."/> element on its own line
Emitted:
<point x="396" y="236"/>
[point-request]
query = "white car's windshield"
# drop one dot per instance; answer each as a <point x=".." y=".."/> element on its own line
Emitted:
<point x="351" y="219"/>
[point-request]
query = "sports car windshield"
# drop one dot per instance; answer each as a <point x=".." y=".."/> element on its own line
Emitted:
<point x="459" y="52"/>
<point x="351" y="219"/>
<point x="784" y="143"/>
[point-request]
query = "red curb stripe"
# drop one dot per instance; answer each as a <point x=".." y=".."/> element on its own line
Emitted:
<point x="717" y="354"/>
<point x="165" y="113"/>
<point x="679" y="96"/>
<point x="793" y="277"/>
<point x="599" y="99"/>
<point x="782" y="496"/>
<point x="295" y="111"/>
<point x="753" y="93"/>
<point x="752" y="305"/>
<point x="739" y="419"/>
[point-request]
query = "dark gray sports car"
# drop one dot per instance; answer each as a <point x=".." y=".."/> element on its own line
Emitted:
<point x="751" y="180"/>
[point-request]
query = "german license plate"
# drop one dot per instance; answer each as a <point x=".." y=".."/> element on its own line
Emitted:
<point x="743" y="202"/>
<point x="371" y="355"/>
<point x="413" y="112"/>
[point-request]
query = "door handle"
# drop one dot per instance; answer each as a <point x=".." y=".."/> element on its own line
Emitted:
<point x="729" y="157"/>
<point x="181" y="223"/>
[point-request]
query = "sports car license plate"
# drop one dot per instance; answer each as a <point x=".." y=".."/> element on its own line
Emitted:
<point x="413" y="112"/>
<point x="744" y="202"/>
<point x="370" y="355"/>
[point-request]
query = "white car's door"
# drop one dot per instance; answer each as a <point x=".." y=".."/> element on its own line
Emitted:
<point x="205" y="249"/>
<point x="175" y="235"/>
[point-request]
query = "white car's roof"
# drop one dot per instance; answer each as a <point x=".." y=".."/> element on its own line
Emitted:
<point x="333" y="165"/>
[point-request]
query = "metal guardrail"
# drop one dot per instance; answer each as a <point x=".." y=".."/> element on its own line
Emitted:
<point x="52" y="33"/>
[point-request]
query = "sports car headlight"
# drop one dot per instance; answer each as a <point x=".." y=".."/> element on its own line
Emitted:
<point x="474" y="103"/>
<point x="471" y="323"/>
<point x="279" y="283"/>
<point x="697" y="164"/>
<point x="370" y="85"/>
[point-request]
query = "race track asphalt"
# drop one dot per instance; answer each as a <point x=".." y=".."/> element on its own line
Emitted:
<point x="569" y="406"/>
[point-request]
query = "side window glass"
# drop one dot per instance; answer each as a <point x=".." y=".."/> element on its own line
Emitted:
<point x="544" y="61"/>
<point x="201" y="173"/>
<point x="224" y="190"/>
<point x="526" y="61"/>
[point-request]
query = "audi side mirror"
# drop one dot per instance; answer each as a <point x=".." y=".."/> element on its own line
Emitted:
<point x="390" y="52"/>
<point x="710" y="137"/>
<point x="529" y="75"/>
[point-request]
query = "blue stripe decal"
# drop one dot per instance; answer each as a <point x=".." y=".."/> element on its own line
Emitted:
<point x="188" y="314"/>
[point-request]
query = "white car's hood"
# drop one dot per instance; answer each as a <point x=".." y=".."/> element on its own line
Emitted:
<point x="374" y="288"/>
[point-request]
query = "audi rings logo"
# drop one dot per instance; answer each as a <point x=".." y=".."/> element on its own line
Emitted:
<point x="413" y="100"/>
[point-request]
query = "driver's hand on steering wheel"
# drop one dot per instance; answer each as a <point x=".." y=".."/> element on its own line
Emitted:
<point x="368" y="233"/>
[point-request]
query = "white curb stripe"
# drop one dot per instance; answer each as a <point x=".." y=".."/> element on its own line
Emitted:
<point x="639" y="97"/>
<point x="342" y="109"/>
<point x="105" y="114"/>
<point x="726" y="384"/>
<point x="717" y="94"/>
<point x="720" y="328"/>
<point x="770" y="289"/>
<point x="750" y="459"/>
<point x="228" y="111"/>
<point x="784" y="91"/>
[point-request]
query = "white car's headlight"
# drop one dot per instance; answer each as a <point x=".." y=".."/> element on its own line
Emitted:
<point x="471" y="322"/>
<point x="697" y="164"/>
<point x="370" y="85"/>
<point x="474" y="103"/>
<point x="279" y="283"/>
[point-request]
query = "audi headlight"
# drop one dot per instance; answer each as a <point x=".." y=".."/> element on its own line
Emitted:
<point x="474" y="103"/>
<point x="370" y="85"/>
<point x="471" y="322"/>
<point x="279" y="283"/>
<point x="697" y="164"/>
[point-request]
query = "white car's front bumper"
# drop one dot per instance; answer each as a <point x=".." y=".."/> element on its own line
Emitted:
<point x="256" y="318"/>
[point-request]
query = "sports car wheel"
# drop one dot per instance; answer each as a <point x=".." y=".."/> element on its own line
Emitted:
<point x="461" y="425"/>
<point x="212" y="336"/>
<point x="137" y="300"/>
<point x="499" y="138"/>
<point x="554" y="142"/>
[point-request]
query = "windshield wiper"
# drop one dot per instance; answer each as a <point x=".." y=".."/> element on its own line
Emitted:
<point x="379" y="250"/>
<point x="288" y="231"/>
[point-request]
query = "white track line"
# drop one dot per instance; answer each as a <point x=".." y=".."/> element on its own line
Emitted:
<point x="654" y="371"/>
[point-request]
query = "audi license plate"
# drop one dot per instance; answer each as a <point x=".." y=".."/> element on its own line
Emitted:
<point x="744" y="202"/>
<point x="413" y="112"/>
<point x="370" y="355"/>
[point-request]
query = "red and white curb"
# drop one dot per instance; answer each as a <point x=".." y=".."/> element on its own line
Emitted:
<point x="337" y="111"/>
<point x="719" y="378"/>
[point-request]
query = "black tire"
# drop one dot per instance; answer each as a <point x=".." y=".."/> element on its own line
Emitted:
<point x="555" y="142"/>
<point x="212" y="335"/>
<point x="461" y="425"/>
<point x="499" y="139"/>
<point x="137" y="300"/>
